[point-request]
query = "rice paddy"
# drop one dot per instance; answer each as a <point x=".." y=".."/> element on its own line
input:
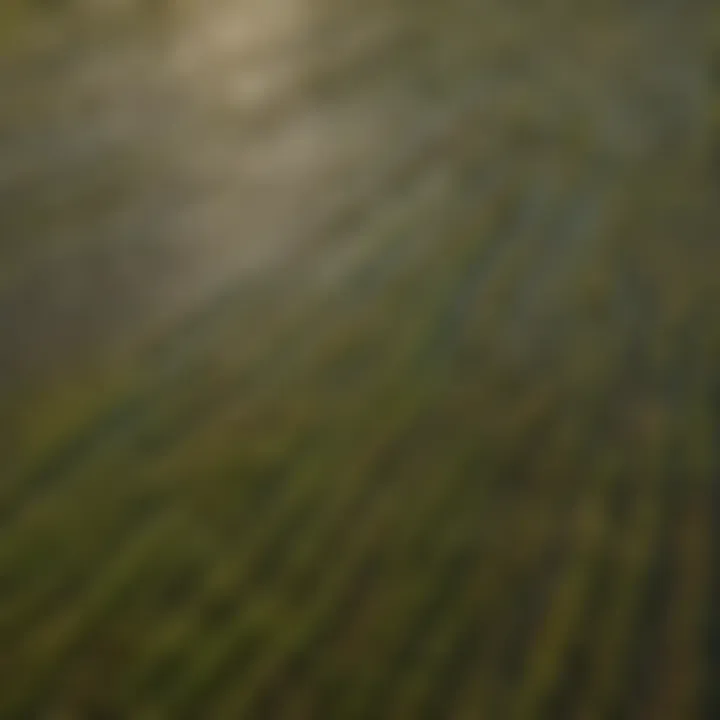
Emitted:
<point x="361" y="361"/>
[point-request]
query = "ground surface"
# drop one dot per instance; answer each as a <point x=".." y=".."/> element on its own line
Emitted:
<point x="360" y="360"/>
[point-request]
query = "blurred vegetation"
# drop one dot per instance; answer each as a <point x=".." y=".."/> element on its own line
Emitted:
<point x="455" y="455"/>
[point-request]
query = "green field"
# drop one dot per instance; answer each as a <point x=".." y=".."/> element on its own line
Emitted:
<point x="390" y="391"/>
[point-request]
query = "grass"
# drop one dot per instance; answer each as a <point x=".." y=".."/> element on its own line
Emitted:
<point x="453" y="456"/>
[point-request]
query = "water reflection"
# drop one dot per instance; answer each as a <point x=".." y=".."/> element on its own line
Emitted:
<point x="142" y="168"/>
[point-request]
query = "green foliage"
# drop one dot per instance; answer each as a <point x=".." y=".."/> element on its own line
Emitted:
<point x="452" y="457"/>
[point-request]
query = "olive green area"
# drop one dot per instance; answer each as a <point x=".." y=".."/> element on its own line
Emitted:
<point x="452" y="453"/>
